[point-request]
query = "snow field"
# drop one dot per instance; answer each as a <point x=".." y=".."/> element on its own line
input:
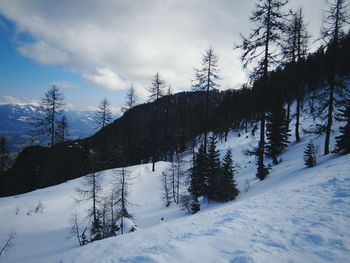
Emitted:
<point x="297" y="214"/>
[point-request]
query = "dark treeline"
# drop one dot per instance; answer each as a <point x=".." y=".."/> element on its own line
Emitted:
<point x="179" y="123"/>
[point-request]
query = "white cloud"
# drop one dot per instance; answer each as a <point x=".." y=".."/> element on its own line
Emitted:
<point x="64" y="85"/>
<point x="134" y="39"/>
<point x="44" y="53"/>
<point x="106" y="78"/>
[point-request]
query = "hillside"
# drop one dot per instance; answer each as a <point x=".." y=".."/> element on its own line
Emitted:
<point x="297" y="214"/>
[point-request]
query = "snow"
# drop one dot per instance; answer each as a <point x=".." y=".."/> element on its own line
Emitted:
<point x="126" y="224"/>
<point x="297" y="214"/>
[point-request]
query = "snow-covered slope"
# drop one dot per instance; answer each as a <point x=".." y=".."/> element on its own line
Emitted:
<point x="297" y="214"/>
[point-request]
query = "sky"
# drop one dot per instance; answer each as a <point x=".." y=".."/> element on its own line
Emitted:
<point x="95" y="49"/>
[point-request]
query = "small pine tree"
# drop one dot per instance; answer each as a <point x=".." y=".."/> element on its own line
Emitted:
<point x="343" y="140"/>
<point x="212" y="186"/>
<point x="276" y="131"/>
<point x="228" y="187"/>
<point x="199" y="173"/>
<point x="310" y="155"/>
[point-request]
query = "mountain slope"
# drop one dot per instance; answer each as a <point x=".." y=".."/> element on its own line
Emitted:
<point x="297" y="214"/>
<point x="293" y="216"/>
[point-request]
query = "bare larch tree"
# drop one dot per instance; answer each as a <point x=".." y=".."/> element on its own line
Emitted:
<point x="261" y="49"/>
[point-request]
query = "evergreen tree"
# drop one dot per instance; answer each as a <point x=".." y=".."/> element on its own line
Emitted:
<point x="261" y="49"/>
<point x="276" y="131"/>
<point x="343" y="140"/>
<point x="212" y="186"/>
<point x="206" y="80"/>
<point x="62" y="129"/>
<point x="103" y="114"/>
<point x="156" y="91"/>
<point x="199" y="173"/>
<point x="310" y="155"/>
<point x="228" y="187"/>
<point x="44" y="126"/>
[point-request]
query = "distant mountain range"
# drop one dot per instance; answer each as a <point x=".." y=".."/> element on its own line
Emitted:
<point x="15" y="123"/>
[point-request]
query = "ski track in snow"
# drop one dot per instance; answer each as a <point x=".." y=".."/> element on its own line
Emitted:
<point x="297" y="214"/>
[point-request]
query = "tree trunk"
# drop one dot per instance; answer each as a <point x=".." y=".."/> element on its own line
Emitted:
<point x="288" y="113"/>
<point x="297" y="122"/>
<point x="329" y="115"/>
<point x="94" y="197"/>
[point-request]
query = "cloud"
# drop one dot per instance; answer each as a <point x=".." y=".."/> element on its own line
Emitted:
<point x="64" y="85"/>
<point x="44" y="53"/>
<point x="135" y="39"/>
<point x="106" y="78"/>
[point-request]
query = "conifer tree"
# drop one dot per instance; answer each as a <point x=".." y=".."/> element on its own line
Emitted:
<point x="109" y="214"/>
<point x="206" y="80"/>
<point x="91" y="191"/>
<point x="228" y="187"/>
<point x="156" y="91"/>
<point x="343" y="140"/>
<point x="62" y="129"/>
<point x="199" y="173"/>
<point x="276" y="131"/>
<point x="260" y="48"/>
<point x="123" y="184"/>
<point x="131" y="99"/>
<point x="51" y="105"/>
<point x="310" y="155"/>
<point x="131" y="102"/>
<point x="212" y="186"/>
<point x="103" y="114"/>
<point x="334" y="20"/>
<point x="294" y="51"/>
